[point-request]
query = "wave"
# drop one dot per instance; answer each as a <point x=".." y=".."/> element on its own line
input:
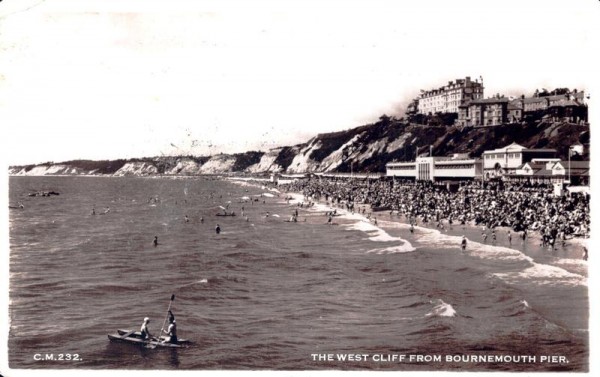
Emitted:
<point x="406" y="248"/>
<point x="441" y="309"/>
<point x="544" y="274"/>
<point x="201" y="281"/>
<point x="518" y="309"/>
<point x="361" y="223"/>
<point x="376" y="234"/>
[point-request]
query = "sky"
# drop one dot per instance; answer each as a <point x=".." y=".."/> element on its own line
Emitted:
<point x="121" y="79"/>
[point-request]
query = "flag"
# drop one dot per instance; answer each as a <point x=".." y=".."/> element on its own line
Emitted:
<point x="576" y="149"/>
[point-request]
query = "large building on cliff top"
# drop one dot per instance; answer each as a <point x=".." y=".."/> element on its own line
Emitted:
<point x="448" y="98"/>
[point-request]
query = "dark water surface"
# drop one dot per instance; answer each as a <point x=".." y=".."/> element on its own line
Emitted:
<point x="268" y="294"/>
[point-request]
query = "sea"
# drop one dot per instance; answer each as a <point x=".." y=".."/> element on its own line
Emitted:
<point x="267" y="293"/>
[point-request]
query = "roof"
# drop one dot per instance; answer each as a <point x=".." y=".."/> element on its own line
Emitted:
<point x="512" y="106"/>
<point x="565" y="103"/>
<point x="511" y="147"/>
<point x="489" y="100"/>
<point x="543" y="172"/>
<point x="516" y="147"/>
<point x="535" y="166"/>
<point x="534" y="99"/>
<point x="575" y="164"/>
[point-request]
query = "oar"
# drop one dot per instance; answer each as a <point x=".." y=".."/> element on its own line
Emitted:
<point x="150" y="345"/>
<point x="167" y="316"/>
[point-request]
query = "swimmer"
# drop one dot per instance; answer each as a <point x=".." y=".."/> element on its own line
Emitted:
<point x="218" y="229"/>
<point x="463" y="243"/>
<point x="155" y="242"/>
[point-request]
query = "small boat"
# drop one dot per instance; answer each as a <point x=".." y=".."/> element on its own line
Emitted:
<point x="225" y="214"/>
<point x="43" y="193"/>
<point x="135" y="337"/>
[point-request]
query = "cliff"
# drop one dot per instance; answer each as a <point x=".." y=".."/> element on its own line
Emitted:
<point x="367" y="149"/>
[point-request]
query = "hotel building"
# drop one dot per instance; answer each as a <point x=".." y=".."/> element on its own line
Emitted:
<point x="448" y="98"/>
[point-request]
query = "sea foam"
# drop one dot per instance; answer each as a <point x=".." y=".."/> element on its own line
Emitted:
<point x="441" y="309"/>
<point x="544" y="274"/>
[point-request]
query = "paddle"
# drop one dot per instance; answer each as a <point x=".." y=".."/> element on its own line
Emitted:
<point x="126" y="334"/>
<point x="150" y="345"/>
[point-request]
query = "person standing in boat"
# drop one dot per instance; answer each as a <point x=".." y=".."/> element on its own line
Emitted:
<point x="144" y="329"/>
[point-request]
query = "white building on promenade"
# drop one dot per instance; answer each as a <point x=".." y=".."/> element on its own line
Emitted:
<point x="510" y="163"/>
<point x="505" y="161"/>
<point x="457" y="167"/>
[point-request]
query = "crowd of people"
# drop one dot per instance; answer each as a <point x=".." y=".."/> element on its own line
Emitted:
<point x="521" y="207"/>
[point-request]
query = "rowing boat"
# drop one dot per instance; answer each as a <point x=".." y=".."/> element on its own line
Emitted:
<point x="135" y="337"/>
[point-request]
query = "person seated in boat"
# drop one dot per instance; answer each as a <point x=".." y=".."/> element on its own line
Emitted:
<point x="144" y="329"/>
<point x="171" y="331"/>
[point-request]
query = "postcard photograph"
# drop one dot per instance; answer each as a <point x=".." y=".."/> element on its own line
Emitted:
<point x="297" y="187"/>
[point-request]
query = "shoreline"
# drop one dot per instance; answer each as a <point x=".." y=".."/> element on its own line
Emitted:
<point x="573" y="248"/>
